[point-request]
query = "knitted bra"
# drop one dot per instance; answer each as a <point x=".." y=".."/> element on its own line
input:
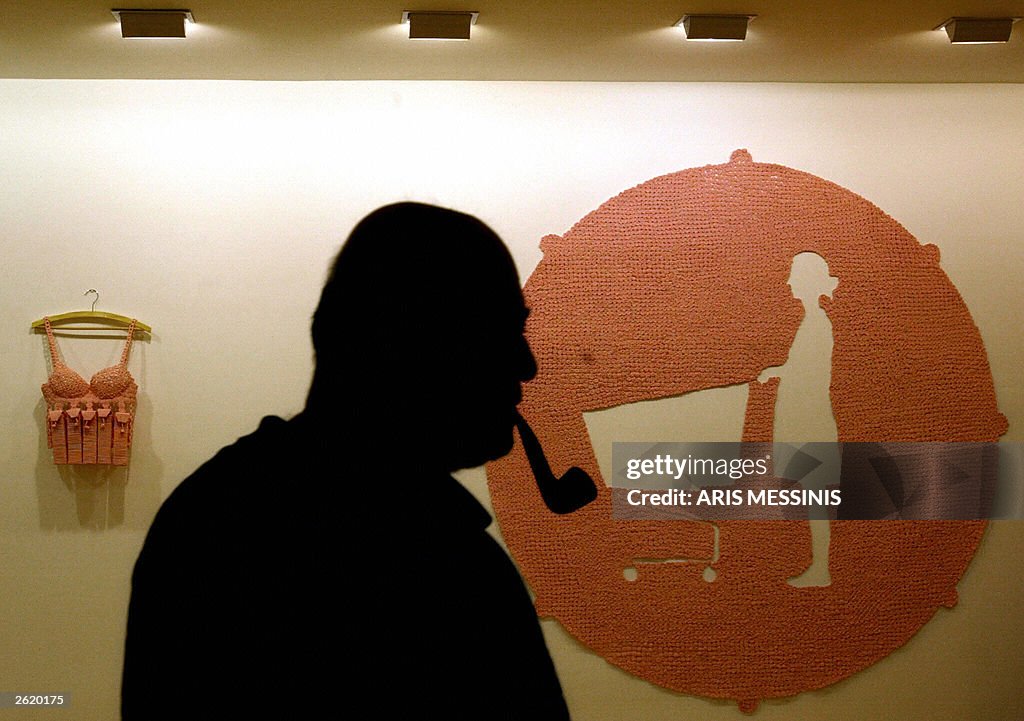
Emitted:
<point x="89" y="422"/>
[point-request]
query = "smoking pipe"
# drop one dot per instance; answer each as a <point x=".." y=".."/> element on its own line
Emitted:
<point x="573" y="490"/>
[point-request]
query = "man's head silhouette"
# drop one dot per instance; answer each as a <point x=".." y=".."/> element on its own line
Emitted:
<point x="810" y="277"/>
<point x="419" y="337"/>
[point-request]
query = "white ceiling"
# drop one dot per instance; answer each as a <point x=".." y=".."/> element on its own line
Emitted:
<point x="613" y="40"/>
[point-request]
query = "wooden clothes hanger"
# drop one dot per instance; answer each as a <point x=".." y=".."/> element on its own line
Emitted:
<point x="111" y="320"/>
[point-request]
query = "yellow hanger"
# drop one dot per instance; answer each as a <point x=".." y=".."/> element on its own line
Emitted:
<point x="91" y="316"/>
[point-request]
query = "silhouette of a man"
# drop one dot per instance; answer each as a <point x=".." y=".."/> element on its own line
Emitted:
<point x="329" y="566"/>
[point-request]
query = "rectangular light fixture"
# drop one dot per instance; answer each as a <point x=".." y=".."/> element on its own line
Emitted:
<point x="978" y="30"/>
<point x="439" y="24"/>
<point x="144" y="23"/>
<point x="715" y="27"/>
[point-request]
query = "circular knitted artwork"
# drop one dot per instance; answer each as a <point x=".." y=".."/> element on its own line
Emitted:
<point x="679" y="285"/>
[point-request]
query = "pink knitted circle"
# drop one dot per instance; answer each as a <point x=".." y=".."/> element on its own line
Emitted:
<point x="678" y="285"/>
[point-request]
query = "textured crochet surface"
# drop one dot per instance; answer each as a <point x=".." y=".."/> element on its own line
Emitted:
<point x="89" y="422"/>
<point x="678" y="285"/>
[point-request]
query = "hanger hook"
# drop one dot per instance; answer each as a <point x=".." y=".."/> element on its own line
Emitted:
<point x="95" y="301"/>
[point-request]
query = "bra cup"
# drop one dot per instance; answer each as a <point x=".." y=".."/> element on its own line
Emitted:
<point x="111" y="382"/>
<point x="65" y="383"/>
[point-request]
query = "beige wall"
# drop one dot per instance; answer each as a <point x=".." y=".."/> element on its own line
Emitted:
<point x="211" y="210"/>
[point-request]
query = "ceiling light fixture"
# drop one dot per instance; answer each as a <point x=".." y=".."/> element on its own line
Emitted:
<point x="143" y="23"/>
<point x="715" y="27"/>
<point x="977" y="31"/>
<point x="439" y="24"/>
